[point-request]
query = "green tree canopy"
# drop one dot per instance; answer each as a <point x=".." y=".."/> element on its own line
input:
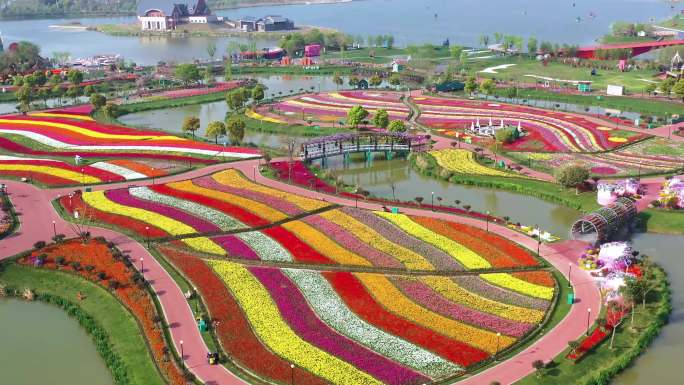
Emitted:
<point x="236" y="129"/>
<point x="258" y="93"/>
<point x="506" y="135"/>
<point x="381" y="118"/>
<point x="75" y="77"/>
<point x="235" y="98"/>
<point x="396" y="126"/>
<point x="571" y="175"/>
<point x="487" y="87"/>
<point x="375" y="81"/>
<point x="356" y="115"/>
<point x="191" y="124"/>
<point x="98" y="101"/>
<point x="471" y="85"/>
<point x="188" y="73"/>
<point x="216" y="129"/>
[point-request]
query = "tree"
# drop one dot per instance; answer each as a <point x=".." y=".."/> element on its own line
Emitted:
<point x="75" y="77"/>
<point x="74" y="91"/>
<point x="191" y="124"/>
<point x="532" y="45"/>
<point x="506" y="135"/>
<point x="390" y="41"/>
<point x="396" y="126"/>
<point x="487" y="87"/>
<point x="379" y="41"/>
<point x="651" y="88"/>
<point x="98" y="101"/>
<point x="484" y="40"/>
<point x="455" y="51"/>
<point x="571" y="175"/>
<point x="54" y="80"/>
<point x="88" y="90"/>
<point x="208" y="76"/>
<point x="395" y="79"/>
<point x="498" y="37"/>
<point x="381" y="118"/>
<point x="539" y="366"/>
<point x="216" y="129"/>
<point x="110" y="110"/>
<point x="258" y="93"/>
<point x="375" y="81"/>
<point x="678" y="89"/>
<point x="188" y="73"/>
<point x="57" y="92"/>
<point x="236" y="129"/>
<point x="24" y="95"/>
<point x="228" y="68"/>
<point x="471" y="85"/>
<point x="337" y="79"/>
<point x="573" y="345"/>
<point x="235" y="99"/>
<point x="354" y="81"/>
<point x="356" y="115"/>
<point x="211" y="50"/>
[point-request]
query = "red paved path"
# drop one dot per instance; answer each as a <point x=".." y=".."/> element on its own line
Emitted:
<point x="37" y="214"/>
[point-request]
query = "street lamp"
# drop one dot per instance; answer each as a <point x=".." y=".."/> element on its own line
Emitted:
<point x="433" y="201"/>
<point x="147" y="235"/>
<point x="54" y="228"/>
<point x="142" y="267"/>
<point x="569" y="272"/>
<point x="291" y="374"/>
<point x="588" y="316"/>
<point x="182" y="357"/>
<point x="496" y="355"/>
<point x="487" y="221"/>
<point x="255" y="174"/>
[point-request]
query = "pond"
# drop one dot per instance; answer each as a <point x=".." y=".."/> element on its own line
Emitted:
<point x="42" y="345"/>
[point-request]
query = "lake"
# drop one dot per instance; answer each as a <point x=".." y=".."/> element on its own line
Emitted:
<point x="410" y="21"/>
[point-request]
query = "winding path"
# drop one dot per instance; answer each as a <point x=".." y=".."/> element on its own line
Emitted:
<point x="37" y="215"/>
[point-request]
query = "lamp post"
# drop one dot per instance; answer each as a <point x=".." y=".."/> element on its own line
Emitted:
<point x="487" y="221"/>
<point x="254" y="174"/>
<point x="182" y="357"/>
<point x="433" y="201"/>
<point x="496" y="354"/>
<point x="54" y="229"/>
<point x="569" y="272"/>
<point x="142" y="267"/>
<point x="588" y="317"/>
<point x="147" y="235"/>
<point x="291" y="374"/>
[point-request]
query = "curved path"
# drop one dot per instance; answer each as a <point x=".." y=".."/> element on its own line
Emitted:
<point x="36" y="214"/>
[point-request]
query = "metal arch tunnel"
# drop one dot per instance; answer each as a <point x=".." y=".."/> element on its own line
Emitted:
<point x="636" y="48"/>
<point x="347" y="143"/>
<point x="598" y="226"/>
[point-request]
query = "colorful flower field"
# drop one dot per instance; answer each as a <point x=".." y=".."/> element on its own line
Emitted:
<point x="362" y="328"/>
<point x="333" y="106"/>
<point x="51" y="172"/>
<point x="547" y="130"/>
<point x="463" y="162"/>
<point x="96" y="262"/>
<point x="338" y="327"/>
<point x="70" y="134"/>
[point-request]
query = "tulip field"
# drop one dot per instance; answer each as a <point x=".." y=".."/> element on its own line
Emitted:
<point x="326" y="108"/>
<point x="68" y="134"/>
<point x="478" y="294"/>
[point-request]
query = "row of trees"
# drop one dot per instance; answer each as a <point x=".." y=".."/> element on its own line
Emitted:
<point x="25" y="58"/>
<point x="294" y="43"/>
<point x="668" y="87"/>
<point x="38" y="86"/>
<point x="357" y="115"/>
<point x="233" y="126"/>
<point x="533" y="45"/>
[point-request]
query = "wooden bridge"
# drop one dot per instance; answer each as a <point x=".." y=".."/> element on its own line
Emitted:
<point x="367" y="142"/>
<point x="635" y="49"/>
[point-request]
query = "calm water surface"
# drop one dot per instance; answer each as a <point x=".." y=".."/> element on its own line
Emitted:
<point x="42" y="345"/>
<point x="410" y="21"/>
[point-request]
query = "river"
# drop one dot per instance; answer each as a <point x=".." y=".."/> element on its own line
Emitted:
<point x="409" y="21"/>
<point x="41" y="344"/>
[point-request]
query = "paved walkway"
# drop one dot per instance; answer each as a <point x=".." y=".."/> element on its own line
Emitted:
<point x="37" y="214"/>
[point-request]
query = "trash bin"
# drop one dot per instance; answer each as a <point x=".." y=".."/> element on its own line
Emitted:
<point x="395" y="210"/>
<point x="571" y="298"/>
<point x="89" y="189"/>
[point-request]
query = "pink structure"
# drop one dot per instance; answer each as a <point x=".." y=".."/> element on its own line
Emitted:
<point x="312" y="50"/>
<point x="608" y="192"/>
<point x="673" y="193"/>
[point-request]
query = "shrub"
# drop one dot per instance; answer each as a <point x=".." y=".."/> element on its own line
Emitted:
<point x="101" y="275"/>
<point x="60" y="261"/>
<point x="39" y="245"/>
<point x="571" y="175"/>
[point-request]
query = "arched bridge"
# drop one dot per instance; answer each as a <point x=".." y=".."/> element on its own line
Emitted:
<point x="636" y="48"/>
<point x="341" y="144"/>
<point x="597" y="227"/>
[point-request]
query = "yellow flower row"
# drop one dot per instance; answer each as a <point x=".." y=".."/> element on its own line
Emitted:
<point x="54" y="171"/>
<point x="395" y="301"/>
<point x="453" y="292"/>
<point x="462" y="254"/>
<point x="463" y="162"/>
<point x="87" y="132"/>
<point x="58" y="115"/>
<point x="273" y="331"/>
<point x="258" y="208"/>
<point x="324" y="245"/>
<point x="235" y="179"/>
<point x="255" y="115"/>
<point x="407" y="257"/>
<point x="99" y="201"/>
<point x="512" y="283"/>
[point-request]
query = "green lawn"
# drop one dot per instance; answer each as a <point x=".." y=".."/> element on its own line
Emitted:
<point x="663" y="222"/>
<point x="124" y="333"/>
<point x="598" y="366"/>
<point x="294" y="129"/>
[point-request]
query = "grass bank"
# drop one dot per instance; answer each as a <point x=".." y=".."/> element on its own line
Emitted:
<point x="159" y="103"/>
<point x="663" y="221"/>
<point x="602" y="364"/>
<point x="115" y="331"/>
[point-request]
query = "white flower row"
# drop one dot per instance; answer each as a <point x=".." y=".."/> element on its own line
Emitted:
<point x="332" y="310"/>
<point x="223" y="221"/>
<point x="59" y="144"/>
<point x="9" y="157"/>
<point x="123" y="172"/>
<point x="267" y="248"/>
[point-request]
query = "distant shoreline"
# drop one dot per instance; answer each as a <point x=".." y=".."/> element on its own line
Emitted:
<point x="80" y="15"/>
